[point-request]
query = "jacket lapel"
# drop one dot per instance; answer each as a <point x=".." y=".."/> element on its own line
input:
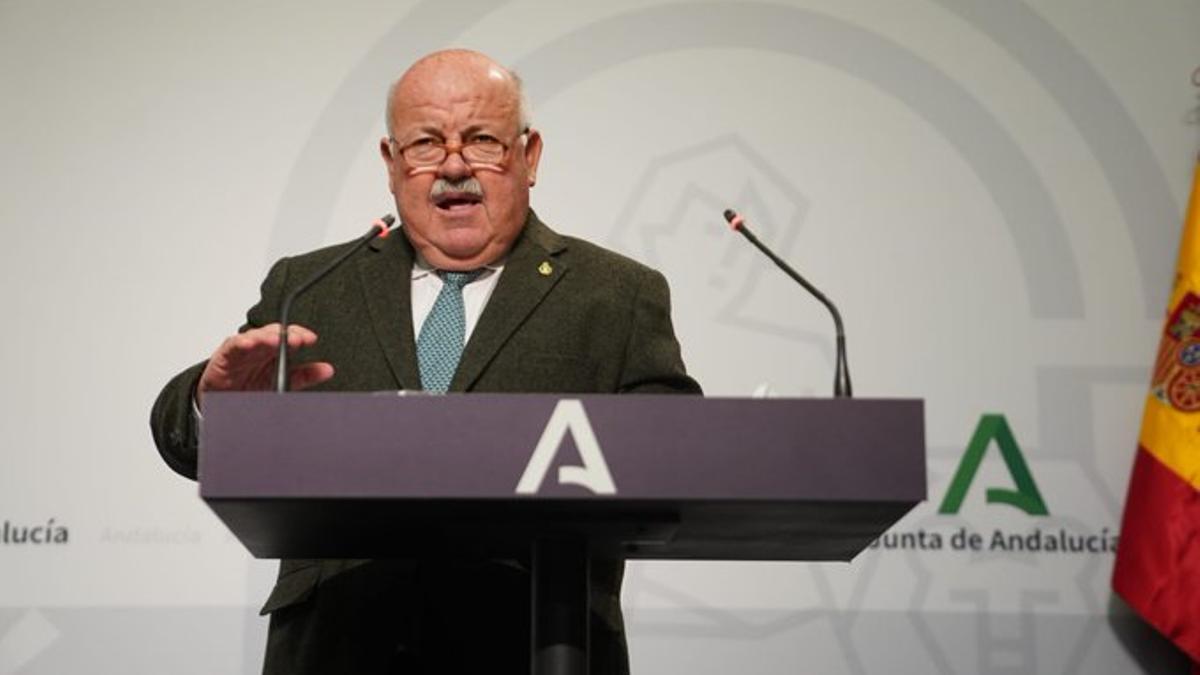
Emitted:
<point x="529" y="273"/>
<point x="386" y="274"/>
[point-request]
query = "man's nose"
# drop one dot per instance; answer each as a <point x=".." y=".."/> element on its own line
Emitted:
<point x="454" y="166"/>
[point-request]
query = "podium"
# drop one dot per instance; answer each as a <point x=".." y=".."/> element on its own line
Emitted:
<point x="558" y="479"/>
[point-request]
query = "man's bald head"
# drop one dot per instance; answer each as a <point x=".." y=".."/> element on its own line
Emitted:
<point x="450" y="63"/>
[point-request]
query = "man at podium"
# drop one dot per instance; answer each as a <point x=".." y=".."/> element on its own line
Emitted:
<point x="478" y="295"/>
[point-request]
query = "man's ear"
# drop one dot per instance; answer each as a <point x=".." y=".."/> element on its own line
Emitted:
<point x="385" y="150"/>
<point x="533" y="154"/>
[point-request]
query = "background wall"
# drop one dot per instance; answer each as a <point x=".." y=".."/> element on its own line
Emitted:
<point x="992" y="191"/>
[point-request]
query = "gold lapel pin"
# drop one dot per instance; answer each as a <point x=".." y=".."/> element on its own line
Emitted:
<point x="545" y="269"/>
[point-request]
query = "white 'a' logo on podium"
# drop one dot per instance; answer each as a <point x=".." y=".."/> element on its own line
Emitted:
<point x="568" y="417"/>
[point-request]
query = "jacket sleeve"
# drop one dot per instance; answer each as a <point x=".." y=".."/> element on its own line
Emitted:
<point x="653" y="362"/>
<point x="173" y="420"/>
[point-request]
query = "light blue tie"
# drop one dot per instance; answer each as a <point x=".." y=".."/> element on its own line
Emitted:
<point x="440" y="345"/>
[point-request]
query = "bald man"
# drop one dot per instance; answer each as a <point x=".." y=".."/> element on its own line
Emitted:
<point x="534" y="311"/>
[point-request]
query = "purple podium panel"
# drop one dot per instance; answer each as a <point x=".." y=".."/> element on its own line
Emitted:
<point x="382" y="475"/>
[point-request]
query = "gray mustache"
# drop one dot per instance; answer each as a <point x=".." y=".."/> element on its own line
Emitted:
<point x="468" y="185"/>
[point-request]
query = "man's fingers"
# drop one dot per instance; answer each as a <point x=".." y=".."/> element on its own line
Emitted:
<point x="265" y="340"/>
<point x="256" y="340"/>
<point x="308" y="374"/>
<point x="298" y="336"/>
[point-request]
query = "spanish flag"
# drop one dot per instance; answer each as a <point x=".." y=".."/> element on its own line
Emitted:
<point x="1158" y="558"/>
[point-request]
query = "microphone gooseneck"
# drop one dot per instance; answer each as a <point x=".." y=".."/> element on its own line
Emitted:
<point x="381" y="227"/>
<point x="841" y="377"/>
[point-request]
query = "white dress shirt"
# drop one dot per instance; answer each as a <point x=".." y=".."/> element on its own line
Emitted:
<point x="427" y="283"/>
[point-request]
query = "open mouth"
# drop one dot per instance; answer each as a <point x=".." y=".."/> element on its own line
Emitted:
<point x="456" y="201"/>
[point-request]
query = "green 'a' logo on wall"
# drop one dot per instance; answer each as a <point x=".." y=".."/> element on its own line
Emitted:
<point x="1026" y="497"/>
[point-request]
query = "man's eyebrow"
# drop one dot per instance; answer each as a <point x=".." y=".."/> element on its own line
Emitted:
<point x="435" y="131"/>
<point x="480" y="126"/>
<point x="408" y="135"/>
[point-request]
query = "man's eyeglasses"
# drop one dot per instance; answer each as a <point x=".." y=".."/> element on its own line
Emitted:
<point x="478" y="149"/>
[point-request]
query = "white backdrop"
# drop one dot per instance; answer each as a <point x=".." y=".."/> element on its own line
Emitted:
<point x="992" y="192"/>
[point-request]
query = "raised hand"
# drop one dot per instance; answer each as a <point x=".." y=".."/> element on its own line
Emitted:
<point x="246" y="362"/>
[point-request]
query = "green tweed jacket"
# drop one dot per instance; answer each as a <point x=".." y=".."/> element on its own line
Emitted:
<point x="597" y="322"/>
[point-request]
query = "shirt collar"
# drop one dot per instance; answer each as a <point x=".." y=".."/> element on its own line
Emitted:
<point x="421" y="267"/>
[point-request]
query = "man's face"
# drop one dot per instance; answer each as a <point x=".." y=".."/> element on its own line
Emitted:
<point x="460" y="216"/>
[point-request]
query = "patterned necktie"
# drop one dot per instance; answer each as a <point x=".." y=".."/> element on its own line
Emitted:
<point x="440" y="345"/>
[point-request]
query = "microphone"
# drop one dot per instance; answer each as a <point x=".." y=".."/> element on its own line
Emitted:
<point x="381" y="227"/>
<point x="841" y="377"/>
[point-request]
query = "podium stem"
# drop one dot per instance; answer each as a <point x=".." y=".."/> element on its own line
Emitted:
<point x="560" y="600"/>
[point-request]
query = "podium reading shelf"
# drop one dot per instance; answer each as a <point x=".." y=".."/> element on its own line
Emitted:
<point x="374" y="475"/>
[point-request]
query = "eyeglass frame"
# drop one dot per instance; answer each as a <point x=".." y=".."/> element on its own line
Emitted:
<point x="449" y="148"/>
